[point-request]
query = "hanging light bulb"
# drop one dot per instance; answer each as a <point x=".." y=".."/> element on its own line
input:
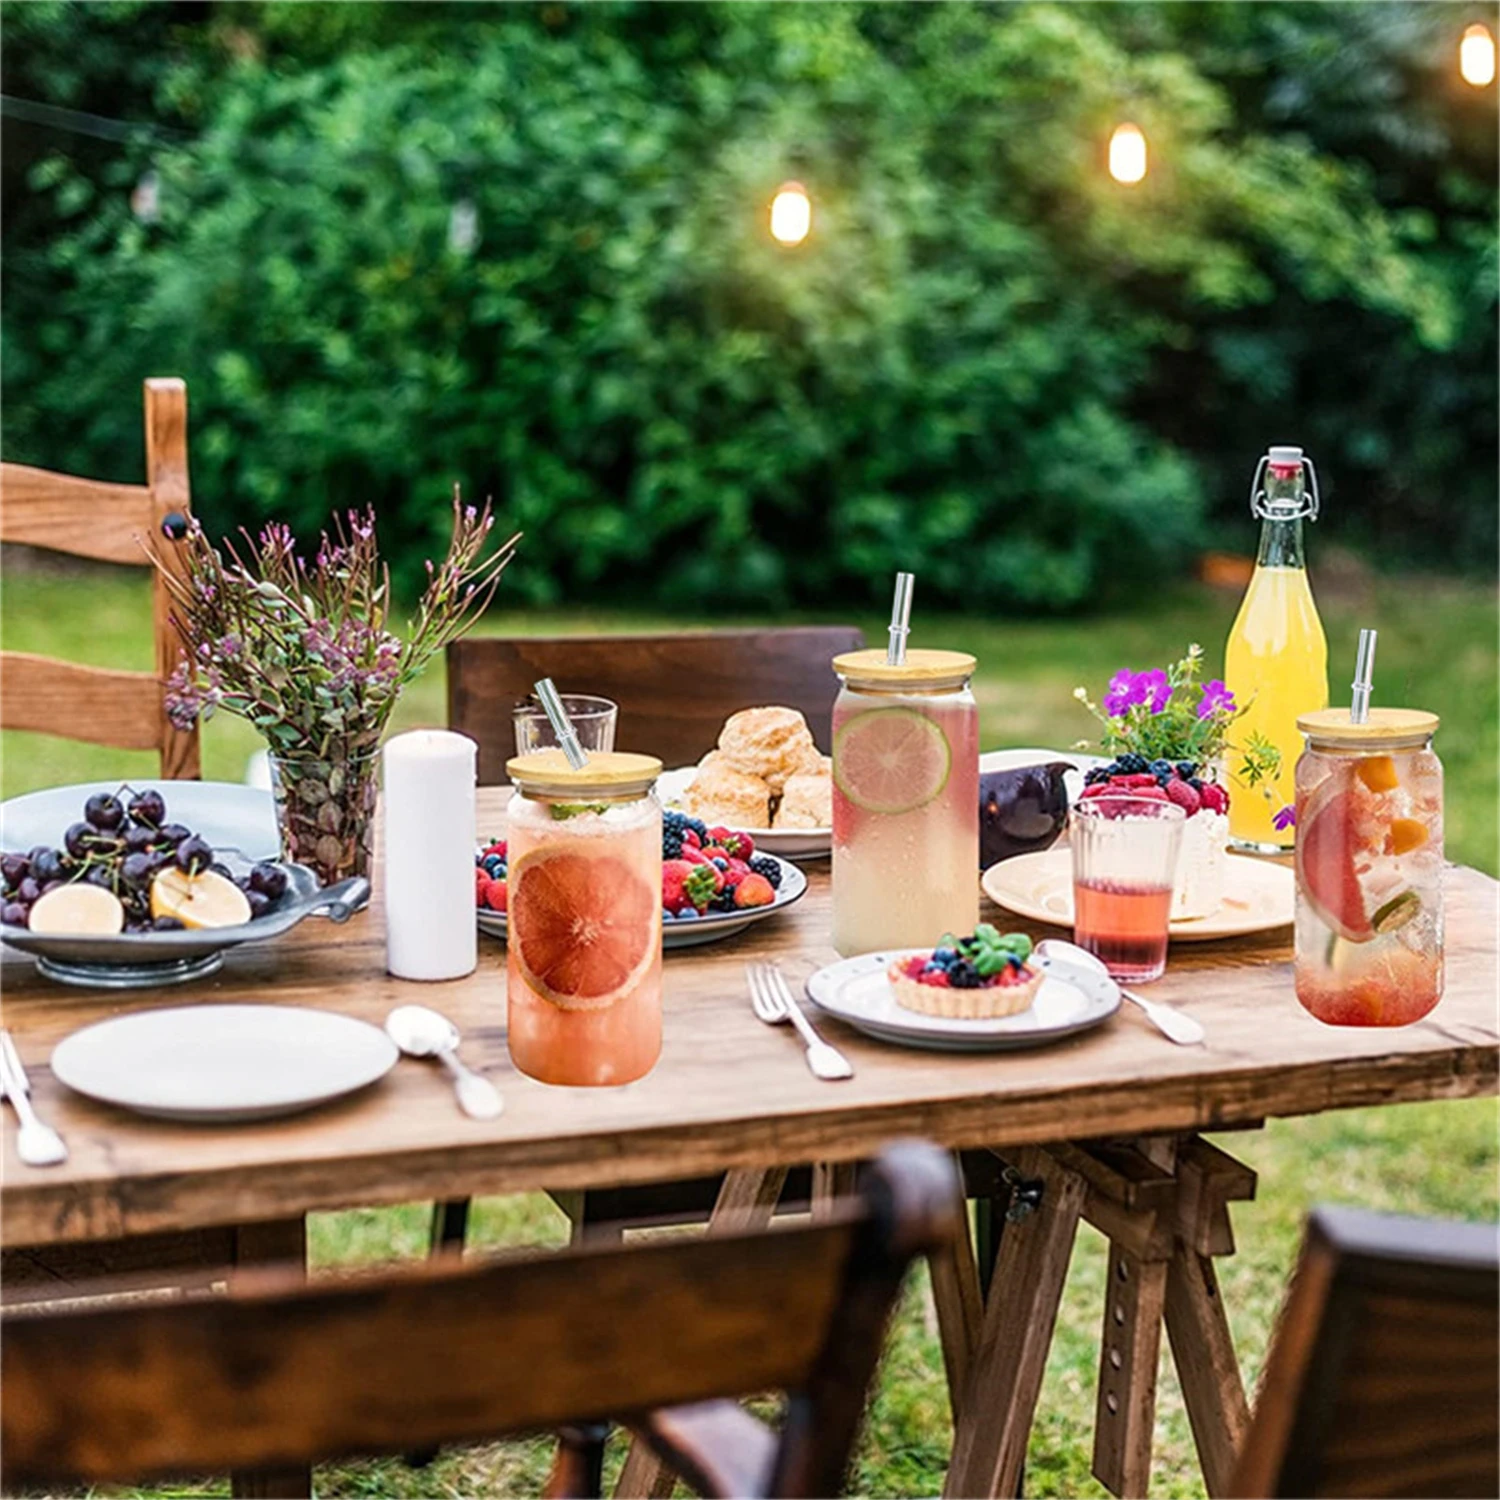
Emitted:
<point x="1476" y="56"/>
<point x="1127" y="153"/>
<point x="791" y="214"/>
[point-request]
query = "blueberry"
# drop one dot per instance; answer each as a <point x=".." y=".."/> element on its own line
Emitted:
<point x="688" y="914"/>
<point x="1185" y="769"/>
<point x="1161" y="768"/>
<point x="944" y="956"/>
<point x="720" y="864"/>
<point x="668" y="915"/>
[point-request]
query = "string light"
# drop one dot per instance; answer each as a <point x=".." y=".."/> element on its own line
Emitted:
<point x="1127" y="153"/>
<point x="791" y="214"/>
<point x="1476" y="56"/>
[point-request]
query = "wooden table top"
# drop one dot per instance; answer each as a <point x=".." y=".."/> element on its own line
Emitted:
<point x="727" y="1092"/>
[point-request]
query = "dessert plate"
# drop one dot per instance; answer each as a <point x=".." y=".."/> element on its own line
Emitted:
<point x="856" y="990"/>
<point x="705" y="929"/>
<point x="789" y="843"/>
<point x="220" y="1064"/>
<point x="1258" y="897"/>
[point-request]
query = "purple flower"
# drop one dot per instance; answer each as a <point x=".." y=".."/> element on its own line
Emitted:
<point x="1286" y="818"/>
<point x="1124" y="692"/>
<point x="1216" y="699"/>
<point x="1153" y="685"/>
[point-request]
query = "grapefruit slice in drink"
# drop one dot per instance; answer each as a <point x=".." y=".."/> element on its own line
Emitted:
<point x="1328" y="841"/>
<point x="891" y="760"/>
<point x="582" y="925"/>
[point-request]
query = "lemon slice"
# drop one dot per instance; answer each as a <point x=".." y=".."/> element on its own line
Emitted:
<point x="206" y="900"/>
<point x="78" y="911"/>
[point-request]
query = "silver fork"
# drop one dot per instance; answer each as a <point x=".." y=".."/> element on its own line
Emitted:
<point x="37" y="1145"/>
<point x="772" y="1002"/>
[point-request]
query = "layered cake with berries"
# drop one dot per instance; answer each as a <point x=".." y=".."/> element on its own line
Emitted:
<point x="1203" y="863"/>
<point x="976" y="978"/>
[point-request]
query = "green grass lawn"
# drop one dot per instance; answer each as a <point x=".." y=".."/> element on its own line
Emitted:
<point x="1437" y="651"/>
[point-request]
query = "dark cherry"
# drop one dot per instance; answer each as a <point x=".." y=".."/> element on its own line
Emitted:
<point x="29" y="889"/>
<point x="166" y="924"/>
<point x="139" y="838"/>
<point x="53" y="885"/>
<point x="79" y="839"/>
<point x="138" y="924"/>
<point x="47" y="866"/>
<point x="220" y="868"/>
<point x="260" y="903"/>
<point x="98" y="875"/>
<point x="15" y="914"/>
<point x="194" y="855"/>
<point x="137" y="869"/>
<point x="148" y="807"/>
<point x="39" y="849"/>
<point x="174" y="833"/>
<point x="104" y="811"/>
<point x="15" y="868"/>
<point x="269" y="880"/>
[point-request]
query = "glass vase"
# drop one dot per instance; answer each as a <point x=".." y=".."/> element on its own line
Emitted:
<point x="325" y="810"/>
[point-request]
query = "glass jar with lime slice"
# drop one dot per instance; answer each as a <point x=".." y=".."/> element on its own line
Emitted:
<point x="1369" y="867"/>
<point x="905" y="800"/>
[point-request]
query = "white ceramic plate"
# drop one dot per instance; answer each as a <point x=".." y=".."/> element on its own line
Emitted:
<point x="856" y="990"/>
<point x="227" y="814"/>
<point x="789" y="843"/>
<point x="697" y="930"/>
<point x="217" y="1064"/>
<point x="1258" y="896"/>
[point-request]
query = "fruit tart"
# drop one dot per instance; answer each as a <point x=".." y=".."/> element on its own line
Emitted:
<point x="978" y="978"/>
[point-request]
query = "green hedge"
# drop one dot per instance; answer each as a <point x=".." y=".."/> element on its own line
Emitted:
<point x="989" y="363"/>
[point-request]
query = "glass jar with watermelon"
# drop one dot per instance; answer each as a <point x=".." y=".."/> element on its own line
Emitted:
<point x="905" y="800"/>
<point x="583" y="939"/>
<point x="1369" y="818"/>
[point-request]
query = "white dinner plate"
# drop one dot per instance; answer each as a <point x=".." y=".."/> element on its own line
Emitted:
<point x="789" y="843"/>
<point x="228" y="814"/>
<point x="218" y="1064"/>
<point x="697" y="930"/>
<point x="1258" y="896"/>
<point x="857" y="990"/>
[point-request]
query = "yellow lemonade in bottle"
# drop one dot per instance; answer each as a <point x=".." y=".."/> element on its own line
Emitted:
<point x="1276" y="659"/>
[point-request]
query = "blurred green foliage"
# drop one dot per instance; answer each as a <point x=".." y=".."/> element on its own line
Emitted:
<point x="989" y="363"/>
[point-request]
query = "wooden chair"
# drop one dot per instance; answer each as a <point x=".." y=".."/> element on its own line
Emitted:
<point x="674" y="691"/>
<point x="89" y="518"/>
<point x="1382" y="1376"/>
<point x="279" y="1372"/>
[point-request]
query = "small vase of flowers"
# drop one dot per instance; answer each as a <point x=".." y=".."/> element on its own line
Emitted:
<point x="1170" y="734"/>
<point x="304" y="651"/>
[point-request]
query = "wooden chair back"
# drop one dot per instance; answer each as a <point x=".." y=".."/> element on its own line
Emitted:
<point x="277" y="1373"/>
<point x="674" y="691"/>
<point x="1382" y="1375"/>
<point x="89" y="518"/>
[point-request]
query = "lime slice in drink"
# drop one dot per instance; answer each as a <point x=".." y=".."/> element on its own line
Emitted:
<point x="891" y="760"/>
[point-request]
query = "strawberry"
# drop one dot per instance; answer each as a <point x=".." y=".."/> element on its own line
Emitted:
<point x="690" y="837"/>
<point x="754" y="890"/>
<point x="716" y="851"/>
<point x="1096" y="789"/>
<point x="738" y="868"/>
<point x="740" y="845"/>
<point x="1214" y="797"/>
<point x="684" y="884"/>
<point x="719" y="835"/>
<point x="693" y="854"/>
<point x="1183" y="795"/>
<point x="497" y="895"/>
<point x="498" y="847"/>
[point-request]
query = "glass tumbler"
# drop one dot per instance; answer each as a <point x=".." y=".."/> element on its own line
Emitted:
<point x="594" y="719"/>
<point x="1124" y="863"/>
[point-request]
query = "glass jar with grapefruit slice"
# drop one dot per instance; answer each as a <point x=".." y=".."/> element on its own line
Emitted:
<point x="1369" y="867"/>
<point x="583" y="966"/>
<point x="905" y="800"/>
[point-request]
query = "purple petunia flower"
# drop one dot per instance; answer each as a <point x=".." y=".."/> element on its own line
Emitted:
<point x="1124" y="692"/>
<point x="1286" y="818"/>
<point x="1155" y="689"/>
<point x="1216" y="699"/>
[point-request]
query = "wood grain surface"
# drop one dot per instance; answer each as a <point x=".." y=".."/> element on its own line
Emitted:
<point x="728" y="1091"/>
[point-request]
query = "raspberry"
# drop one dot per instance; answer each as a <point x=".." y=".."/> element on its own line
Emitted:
<point x="1138" y="778"/>
<point x="1214" y="797"/>
<point x="1183" y="795"/>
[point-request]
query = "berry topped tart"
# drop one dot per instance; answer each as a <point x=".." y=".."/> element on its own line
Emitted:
<point x="978" y="978"/>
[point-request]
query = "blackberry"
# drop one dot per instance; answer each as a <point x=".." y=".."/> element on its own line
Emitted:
<point x="763" y="864"/>
<point x="724" y="901"/>
<point x="964" y="976"/>
<point x="698" y="826"/>
<point x="671" y="843"/>
<point x="1132" y="764"/>
<point x="1094" y="777"/>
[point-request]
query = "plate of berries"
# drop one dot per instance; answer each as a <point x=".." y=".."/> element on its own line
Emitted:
<point x="715" y="882"/>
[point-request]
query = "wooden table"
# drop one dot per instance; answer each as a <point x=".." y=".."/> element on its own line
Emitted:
<point x="727" y="1093"/>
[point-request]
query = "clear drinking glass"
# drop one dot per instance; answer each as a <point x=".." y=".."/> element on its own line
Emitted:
<point x="594" y="719"/>
<point x="1124" y="862"/>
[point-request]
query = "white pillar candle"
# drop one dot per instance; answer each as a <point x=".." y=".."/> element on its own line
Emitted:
<point x="430" y="828"/>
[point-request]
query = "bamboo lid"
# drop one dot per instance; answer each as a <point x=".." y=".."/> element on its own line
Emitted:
<point x="920" y="669"/>
<point x="606" y="770"/>
<point x="1384" y="726"/>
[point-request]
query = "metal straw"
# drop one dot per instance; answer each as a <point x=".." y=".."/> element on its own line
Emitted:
<point x="895" y="653"/>
<point x="1364" y="678"/>
<point x="557" y="715"/>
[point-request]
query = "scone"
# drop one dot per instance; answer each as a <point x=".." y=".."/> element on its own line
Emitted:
<point x="772" y="743"/>
<point x="976" y="978"/>
<point x="721" y="793"/>
<point x="806" y="802"/>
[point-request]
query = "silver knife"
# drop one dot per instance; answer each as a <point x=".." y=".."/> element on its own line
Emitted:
<point x="37" y="1145"/>
<point x="1173" y="1024"/>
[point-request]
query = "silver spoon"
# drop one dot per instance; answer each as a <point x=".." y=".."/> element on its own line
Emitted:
<point x="420" y="1032"/>
<point x="1171" y="1022"/>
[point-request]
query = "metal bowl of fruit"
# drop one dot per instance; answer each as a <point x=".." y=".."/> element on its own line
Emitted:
<point x="128" y="899"/>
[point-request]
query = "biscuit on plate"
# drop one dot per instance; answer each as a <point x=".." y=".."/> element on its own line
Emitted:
<point x="806" y="802"/>
<point x="723" y="794"/>
<point x="772" y="743"/>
